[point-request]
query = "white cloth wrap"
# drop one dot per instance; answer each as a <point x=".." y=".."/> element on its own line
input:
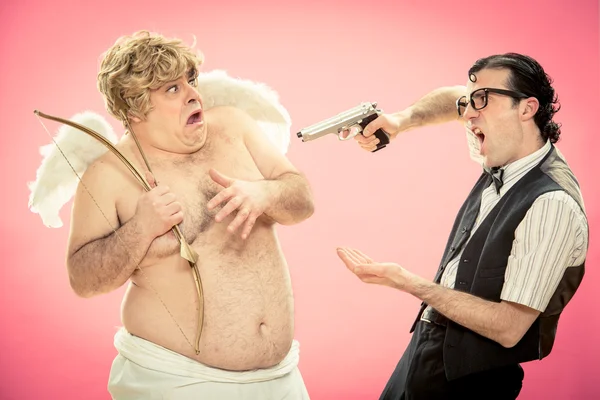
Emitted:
<point x="144" y="370"/>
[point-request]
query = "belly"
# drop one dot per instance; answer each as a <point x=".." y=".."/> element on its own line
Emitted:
<point x="247" y="307"/>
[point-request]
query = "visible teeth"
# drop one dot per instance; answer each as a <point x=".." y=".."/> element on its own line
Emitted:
<point x="477" y="131"/>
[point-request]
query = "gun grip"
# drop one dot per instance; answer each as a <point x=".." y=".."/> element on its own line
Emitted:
<point x="384" y="138"/>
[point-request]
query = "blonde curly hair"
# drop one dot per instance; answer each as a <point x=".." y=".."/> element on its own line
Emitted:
<point x="139" y="63"/>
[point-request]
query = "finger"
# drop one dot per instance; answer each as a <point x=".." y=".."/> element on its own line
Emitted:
<point x="355" y="130"/>
<point x="357" y="260"/>
<point x="355" y="256"/>
<point x="369" y="147"/>
<point x="382" y="270"/>
<point x="345" y="133"/>
<point x="362" y="257"/>
<point x="373" y="126"/>
<point x="161" y="200"/>
<point x="176" y="218"/>
<point x="369" y="270"/>
<point x="150" y="179"/>
<point x="347" y="259"/>
<point x="372" y="141"/>
<point x="221" y="179"/>
<point x="166" y="199"/>
<point x="372" y="279"/>
<point x="159" y="191"/>
<point x="222" y="196"/>
<point x="365" y="272"/>
<point x="365" y="140"/>
<point x="249" y="225"/>
<point x="369" y="143"/>
<point x="232" y="205"/>
<point x="352" y="132"/>
<point x="239" y="219"/>
<point x="173" y="208"/>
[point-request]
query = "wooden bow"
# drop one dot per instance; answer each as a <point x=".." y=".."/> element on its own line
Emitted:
<point x="186" y="251"/>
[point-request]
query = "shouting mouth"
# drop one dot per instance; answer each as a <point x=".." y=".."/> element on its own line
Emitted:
<point x="195" y="118"/>
<point x="479" y="135"/>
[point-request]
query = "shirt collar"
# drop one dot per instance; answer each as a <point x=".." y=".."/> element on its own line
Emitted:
<point x="523" y="165"/>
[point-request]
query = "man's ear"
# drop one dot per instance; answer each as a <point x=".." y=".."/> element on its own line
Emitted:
<point x="122" y="107"/>
<point x="528" y="108"/>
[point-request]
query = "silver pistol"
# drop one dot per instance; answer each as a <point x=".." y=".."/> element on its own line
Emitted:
<point x="340" y="125"/>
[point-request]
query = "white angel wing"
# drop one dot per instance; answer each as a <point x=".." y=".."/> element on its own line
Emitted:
<point x="56" y="183"/>
<point x="257" y="99"/>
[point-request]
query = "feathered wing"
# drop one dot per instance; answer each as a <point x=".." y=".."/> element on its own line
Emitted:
<point x="257" y="99"/>
<point x="55" y="182"/>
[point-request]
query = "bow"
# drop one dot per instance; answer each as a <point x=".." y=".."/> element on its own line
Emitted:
<point x="186" y="251"/>
<point x="497" y="175"/>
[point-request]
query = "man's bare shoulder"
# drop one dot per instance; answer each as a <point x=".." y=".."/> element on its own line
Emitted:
<point x="228" y="116"/>
<point x="106" y="173"/>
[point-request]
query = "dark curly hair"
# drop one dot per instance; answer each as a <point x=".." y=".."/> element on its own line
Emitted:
<point x="527" y="76"/>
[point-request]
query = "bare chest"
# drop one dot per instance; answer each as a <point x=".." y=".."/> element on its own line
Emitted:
<point x="193" y="187"/>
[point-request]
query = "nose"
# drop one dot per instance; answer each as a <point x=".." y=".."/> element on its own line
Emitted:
<point x="192" y="95"/>
<point x="470" y="113"/>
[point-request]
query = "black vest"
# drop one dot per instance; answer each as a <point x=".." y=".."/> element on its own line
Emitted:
<point x="483" y="264"/>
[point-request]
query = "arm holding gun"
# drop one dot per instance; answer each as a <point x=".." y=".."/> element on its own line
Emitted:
<point x="436" y="107"/>
<point x="347" y="125"/>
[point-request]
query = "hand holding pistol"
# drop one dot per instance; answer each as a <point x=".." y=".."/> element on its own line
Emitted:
<point x="340" y="125"/>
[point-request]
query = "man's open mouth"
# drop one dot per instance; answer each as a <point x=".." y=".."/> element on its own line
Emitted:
<point x="195" y="118"/>
<point x="480" y="135"/>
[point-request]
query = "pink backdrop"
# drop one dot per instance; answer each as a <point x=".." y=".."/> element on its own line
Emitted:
<point x="397" y="205"/>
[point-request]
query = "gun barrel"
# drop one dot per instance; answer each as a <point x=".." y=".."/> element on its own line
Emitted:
<point x="337" y="123"/>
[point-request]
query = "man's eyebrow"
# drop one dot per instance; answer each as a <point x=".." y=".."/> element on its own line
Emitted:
<point x="166" y="83"/>
<point x="192" y="73"/>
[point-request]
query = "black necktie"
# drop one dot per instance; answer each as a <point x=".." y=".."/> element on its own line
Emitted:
<point x="496" y="173"/>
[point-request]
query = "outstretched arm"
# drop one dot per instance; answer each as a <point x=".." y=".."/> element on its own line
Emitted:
<point x="504" y="322"/>
<point x="436" y="107"/>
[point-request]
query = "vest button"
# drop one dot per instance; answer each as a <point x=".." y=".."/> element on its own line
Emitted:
<point x="466" y="260"/>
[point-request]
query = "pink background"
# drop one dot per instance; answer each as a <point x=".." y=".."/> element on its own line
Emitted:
<point x="397" y="205"/>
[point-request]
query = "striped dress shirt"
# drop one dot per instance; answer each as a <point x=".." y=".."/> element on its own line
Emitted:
<point x="552" y="237"/>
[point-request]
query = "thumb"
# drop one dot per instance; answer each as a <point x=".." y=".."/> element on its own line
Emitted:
<point x="372" y="126"/>
<point x="368" y="269"/>
<point x="221" y="179"/>
<point x="150" y="179"/>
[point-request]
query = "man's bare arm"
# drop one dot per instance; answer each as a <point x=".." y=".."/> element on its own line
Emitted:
<point x="102" y="255"/>
<point x="100" y="260"/>
<point x="282" y="195"/>
<point x="291" y="200"/>
<point x="503" y="322"/>
<point x="290" y="195"/>
<point x="105" y="264"/>
<point x="436" y="107"/>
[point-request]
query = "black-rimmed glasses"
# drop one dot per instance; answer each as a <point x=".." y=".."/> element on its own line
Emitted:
<point x="479" y="98"/>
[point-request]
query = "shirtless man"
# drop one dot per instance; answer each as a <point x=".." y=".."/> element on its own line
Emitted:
<point x="217" y="174"/>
